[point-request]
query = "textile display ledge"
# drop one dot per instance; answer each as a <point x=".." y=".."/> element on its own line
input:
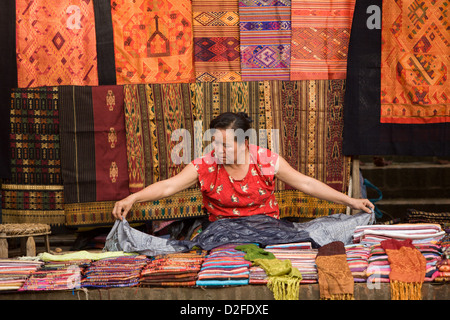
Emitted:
<point x="248" y="292"/>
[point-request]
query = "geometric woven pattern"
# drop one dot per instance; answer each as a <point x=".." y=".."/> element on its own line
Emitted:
<point x="216" y="41"/>
<point x="320" y="38"/>
<point x="56" y="43"/>
<point x="153" y="41"/>
<point x="415" y="62"/>
<point x="34" y="194"/>
<point x="311" y="141"/>
<point x="265" y="35"/>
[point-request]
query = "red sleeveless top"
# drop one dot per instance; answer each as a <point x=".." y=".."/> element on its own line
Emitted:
<point x="226" y="197"/>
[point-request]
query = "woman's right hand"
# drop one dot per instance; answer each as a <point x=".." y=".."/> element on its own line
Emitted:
<point x="122" y="207"/>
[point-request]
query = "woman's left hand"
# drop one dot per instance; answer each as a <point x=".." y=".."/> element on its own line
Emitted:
<point x="362" y="204"/>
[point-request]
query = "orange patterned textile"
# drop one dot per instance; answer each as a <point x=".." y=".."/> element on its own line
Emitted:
<point x="153" y="41"/>
<point x="415" y="59"/>
<point x="408" y="267"/>
<point x="56" y="43"/>
<point x="320" y="38"/>
<point x="335" y="278"/>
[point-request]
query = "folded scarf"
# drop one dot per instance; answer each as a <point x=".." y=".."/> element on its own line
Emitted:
<point x="284" y="280"/>
<point x="408" y="268"/>
<point x="254" y="252"/>
<point x="335" y="278"/>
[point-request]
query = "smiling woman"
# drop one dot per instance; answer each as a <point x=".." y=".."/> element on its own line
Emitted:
<point x="237" y="178"/>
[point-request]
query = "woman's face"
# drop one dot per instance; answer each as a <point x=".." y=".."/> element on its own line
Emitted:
<point x="226" y="147"/>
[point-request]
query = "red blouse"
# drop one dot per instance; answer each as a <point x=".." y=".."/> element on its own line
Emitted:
<point x="226" y="197"/>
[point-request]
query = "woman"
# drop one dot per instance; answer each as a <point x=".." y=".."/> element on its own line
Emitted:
<point x="237" y="178"/>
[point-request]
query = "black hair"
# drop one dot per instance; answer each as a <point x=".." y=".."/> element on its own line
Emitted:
<point x="231" y="120"/>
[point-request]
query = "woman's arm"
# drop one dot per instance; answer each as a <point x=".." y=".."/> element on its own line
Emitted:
<point x="318" y="189"/>
<point x="158" y="190"/>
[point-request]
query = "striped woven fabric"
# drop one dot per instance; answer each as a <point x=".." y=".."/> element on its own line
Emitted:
<point x="121" y="271"/>
<point x="177" y="269"/>
<point x="357" y="259"/>
<point x="14" y="273"/>
<point x="374" y="234"/>
<point x="265" y="37"/>
<point x="302" y="257"/>
<point x="224" y="266"/>
<point x="56" y="275"/>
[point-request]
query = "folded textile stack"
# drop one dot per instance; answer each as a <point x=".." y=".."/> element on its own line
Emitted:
<point x="175" y="269"/>
<point x="14" y="273"/>
<point x="257" y="275"/>
<point x="224" y="266"/>
<point x="56" y="275"/>
<point x="302" y="257"/>
<point x="379" y="268"/>
<point x="358" y="261"/>
<point x="443" y="267"/>
<point x="375" y="234"/>
<point x="121" y="271"/>
<point x="417" y="216"/>
<point x="444" y="243"/>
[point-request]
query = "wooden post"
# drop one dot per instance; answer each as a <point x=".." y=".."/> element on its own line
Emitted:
<point x="47" y="243"/>
<point x="31" y="247"/>
<point x="3" y="246"/>
<point x="356" y="187"/>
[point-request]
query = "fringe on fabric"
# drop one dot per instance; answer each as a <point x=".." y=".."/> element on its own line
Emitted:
<point x="334" y="275"/>
<point x="284" y="280"/>
<point x="406" y="290"/>
<point x="342" y="296"/>
<point x="408" y="267"/>
<point x="284" y="287"/>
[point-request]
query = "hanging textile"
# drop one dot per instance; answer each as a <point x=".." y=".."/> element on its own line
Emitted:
<point x="105" y="43"/>
<point x="56" y="43"/>
<point x="320" y="38"/>
<point x="216" y="41"/>
<point x="415" y="57"/>
<point x="93" y="152"/>
<point x="364" y="134"/>
<point x="8" y="80"/>
<point x="211" y="99"/>
<point x="408" y="267"/>
<point x="335" y="277"/>
<point x="311" y="141"/>
<point x="153" y="115"/>
<point x="265" y="34"/>
<point x="153" y="41"/>
<point x="34" y="193"/>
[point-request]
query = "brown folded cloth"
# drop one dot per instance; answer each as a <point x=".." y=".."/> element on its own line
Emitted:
<point x="334" y="275"/>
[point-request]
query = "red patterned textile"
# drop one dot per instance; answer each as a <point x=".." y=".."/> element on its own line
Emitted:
<point x="320" y="38"/>
<point x="415" y="57"/>
<point x="153" y="41"/>
<point x="56" y="43"/>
